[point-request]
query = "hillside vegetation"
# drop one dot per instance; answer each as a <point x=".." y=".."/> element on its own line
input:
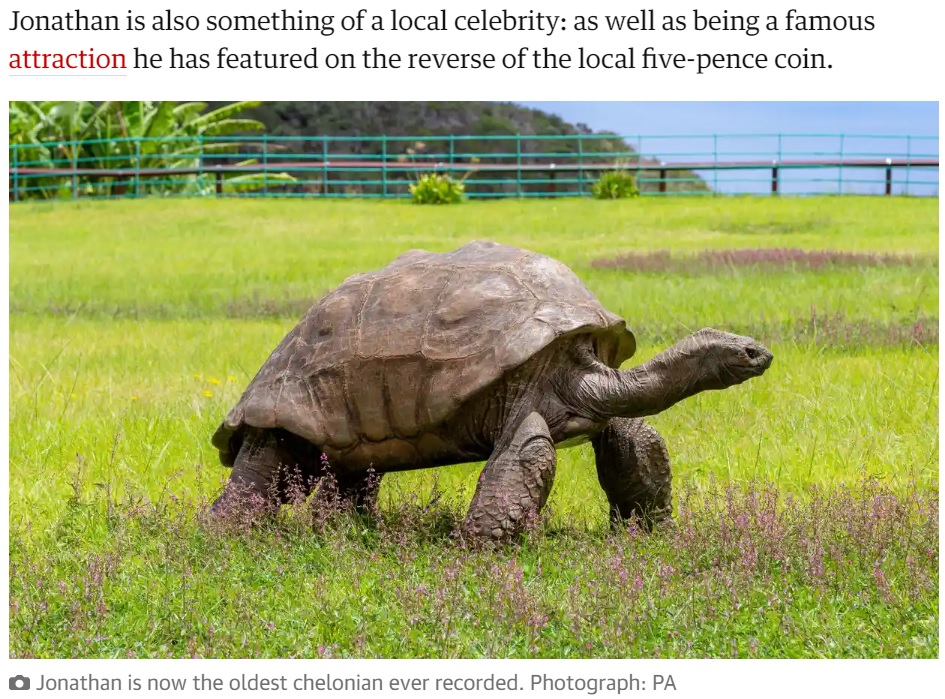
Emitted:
<point x="422" y="120"/>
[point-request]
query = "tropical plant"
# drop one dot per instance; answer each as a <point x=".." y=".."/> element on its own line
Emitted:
<point x="129" y="137"/>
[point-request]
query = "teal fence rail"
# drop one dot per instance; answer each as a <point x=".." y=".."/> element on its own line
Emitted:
<point x="492" y="166"/>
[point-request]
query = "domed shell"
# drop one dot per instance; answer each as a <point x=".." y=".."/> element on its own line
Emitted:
<point x="395" y="352"/>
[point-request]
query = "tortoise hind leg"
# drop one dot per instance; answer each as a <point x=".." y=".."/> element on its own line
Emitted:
<point x="633" y="468"/>
<point x="515" y="483"/>
<point x="271" y="468"/>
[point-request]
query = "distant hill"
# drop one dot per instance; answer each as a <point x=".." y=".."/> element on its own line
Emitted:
<point x="426" y="119"/>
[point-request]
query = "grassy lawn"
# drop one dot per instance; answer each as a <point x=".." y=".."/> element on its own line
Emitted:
<point x="807" y="500"/>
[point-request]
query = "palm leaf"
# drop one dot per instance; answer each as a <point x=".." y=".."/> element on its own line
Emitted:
<point x="223" y="113"/>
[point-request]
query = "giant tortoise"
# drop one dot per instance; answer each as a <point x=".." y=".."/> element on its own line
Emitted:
<point x="488" y="352"/>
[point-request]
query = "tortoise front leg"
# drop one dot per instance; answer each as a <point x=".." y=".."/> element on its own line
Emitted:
<point x="514" y="483"/>
<point x="633" y="468"/>
<point x="272" y="468"/>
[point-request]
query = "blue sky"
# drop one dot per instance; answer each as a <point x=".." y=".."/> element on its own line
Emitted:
<point x="647" y="124"/>
<point x="886" y="118"/>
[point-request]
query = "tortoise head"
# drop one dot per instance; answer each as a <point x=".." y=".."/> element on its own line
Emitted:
<point x="724" y="359"/>
<point x="708" y="360"/>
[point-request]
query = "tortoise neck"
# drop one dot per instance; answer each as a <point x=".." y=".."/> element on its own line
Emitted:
<point x="650" y="388"/>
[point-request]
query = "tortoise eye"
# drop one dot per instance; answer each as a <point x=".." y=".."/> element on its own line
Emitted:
<point x="751" y="352"/>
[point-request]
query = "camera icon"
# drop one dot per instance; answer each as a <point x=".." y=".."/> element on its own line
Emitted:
<point x="19" y="682"/>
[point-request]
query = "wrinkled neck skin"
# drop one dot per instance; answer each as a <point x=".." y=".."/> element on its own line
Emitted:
<point x="647" y="389"/>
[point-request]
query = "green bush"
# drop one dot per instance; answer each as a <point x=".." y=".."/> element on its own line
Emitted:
<point x="437" y="189"/>
<point x="616" y="184"/>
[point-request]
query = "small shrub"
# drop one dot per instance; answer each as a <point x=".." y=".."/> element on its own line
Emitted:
<point x="616" y="184"/>
<point x="437" y="189"/>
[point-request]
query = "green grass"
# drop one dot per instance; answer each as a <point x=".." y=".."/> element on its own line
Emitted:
<point x="135" y="326"/>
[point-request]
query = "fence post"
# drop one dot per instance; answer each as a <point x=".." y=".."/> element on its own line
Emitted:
<point x="774" y="177"/>
<point x="137" y="168"/>
<point x="518" y="164"/>
<point x="840" y="169"/>
<point x="888" y="177"/>
<point x="219" y="186"/>
<point x="581" y="164"/>
<point x="662" y="179"/>
<point x="75" y="167"/>
<point x="715" y="162"/>
<point x="16" y="173"/>
<point x="553" y="184"/>
<point x="384" y="165"/>
<point x="200" y="172"/>
<point x="265" y="165"/>
<point x="908" y="163"/>
<point x="453" y="158"/>
<point x="324" y="166"/>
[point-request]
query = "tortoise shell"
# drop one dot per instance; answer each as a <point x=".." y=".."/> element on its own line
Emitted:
<point x="396" y="352"/>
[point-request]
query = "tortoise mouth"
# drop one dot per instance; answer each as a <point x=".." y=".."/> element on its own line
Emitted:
<point x="749" y="367"/>
<point x="756" y="359"/>
<point x="764" y="360"/>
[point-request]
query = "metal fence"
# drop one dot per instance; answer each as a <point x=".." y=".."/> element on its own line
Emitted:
<point x="491" y="166"/>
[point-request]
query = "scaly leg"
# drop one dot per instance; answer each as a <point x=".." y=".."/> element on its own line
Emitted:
<point x="271" y="468"/>
<point x="514" y="483"/>
<point x="633" y="468"/>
